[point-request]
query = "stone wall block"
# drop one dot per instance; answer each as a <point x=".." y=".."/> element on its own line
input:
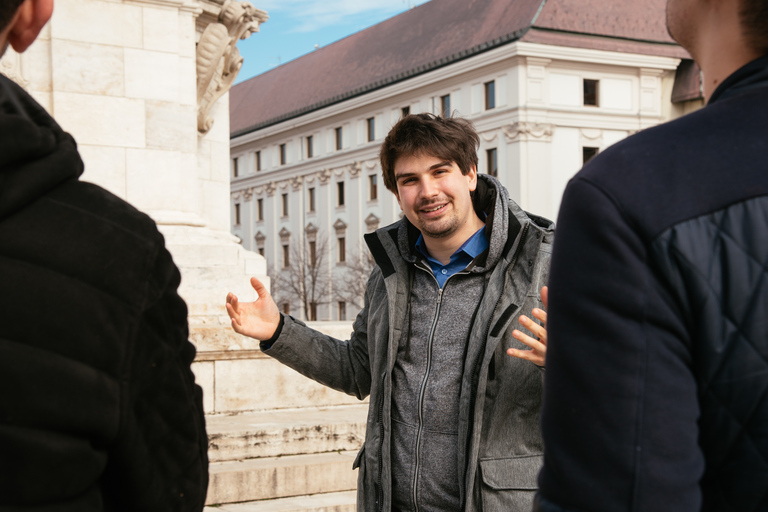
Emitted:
<point x="105" y="166"/>
<point x="37" y="66"/>
<point x="260" y="384"/>
<point x="215" y="213"/>
<point x="157" y="181"/>
<point x="102" y="120"/>
<point x="187" y="80"/>
<point x="161" y="29"/>
<point x="151" y="75"/>
<point x="205" y="377"/>
<point x="94" y="21"/>
<point x="171" y="126"/>
<point x="88" y="68"/>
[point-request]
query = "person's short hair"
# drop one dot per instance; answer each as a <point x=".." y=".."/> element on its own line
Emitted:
<point x="452" y="138"/>
<point x="754" y="19"/>
<point x="8" y="10"/>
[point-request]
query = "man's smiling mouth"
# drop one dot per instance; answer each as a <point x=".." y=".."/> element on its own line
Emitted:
<point x="433" y="209"/>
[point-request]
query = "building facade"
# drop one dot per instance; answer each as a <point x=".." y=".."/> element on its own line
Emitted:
<point x="310" y="181"/>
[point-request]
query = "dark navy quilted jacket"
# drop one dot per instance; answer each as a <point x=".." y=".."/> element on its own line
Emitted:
<point x="656" y="392"/>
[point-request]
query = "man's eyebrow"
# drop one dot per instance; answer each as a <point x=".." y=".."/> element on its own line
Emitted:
<point x="445" y="163"/>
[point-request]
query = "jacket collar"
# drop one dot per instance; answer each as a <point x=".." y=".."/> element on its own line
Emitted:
<point x="747" y="77"/>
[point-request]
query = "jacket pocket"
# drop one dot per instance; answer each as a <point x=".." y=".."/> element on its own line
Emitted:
<point x="510" y="483"/>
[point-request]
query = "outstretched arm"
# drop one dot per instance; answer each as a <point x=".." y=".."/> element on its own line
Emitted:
<point x="538" y="353"/>
<point x="258" y="319"/>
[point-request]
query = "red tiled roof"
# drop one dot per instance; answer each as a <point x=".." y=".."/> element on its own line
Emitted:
<point x="437" y="33"/>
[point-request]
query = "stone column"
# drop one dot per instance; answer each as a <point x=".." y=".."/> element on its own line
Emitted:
<point x="142" y="86"/>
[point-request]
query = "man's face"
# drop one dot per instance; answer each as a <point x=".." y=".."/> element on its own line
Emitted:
<point x="434" y="195"/>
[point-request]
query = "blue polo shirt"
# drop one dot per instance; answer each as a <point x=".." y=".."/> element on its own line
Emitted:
<point x="469" y="250"/>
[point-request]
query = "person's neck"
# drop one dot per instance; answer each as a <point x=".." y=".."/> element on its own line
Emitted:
<point x="443" y="248"/>
<point x="721" y="49"/>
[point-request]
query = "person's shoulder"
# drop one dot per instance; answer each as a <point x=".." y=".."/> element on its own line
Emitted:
<point x="97" y="206"/>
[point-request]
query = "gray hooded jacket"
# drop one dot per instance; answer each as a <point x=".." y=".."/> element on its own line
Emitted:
<point x="472" y="416"/>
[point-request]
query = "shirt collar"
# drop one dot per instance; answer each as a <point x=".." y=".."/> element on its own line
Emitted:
<point x="472" y="247"/>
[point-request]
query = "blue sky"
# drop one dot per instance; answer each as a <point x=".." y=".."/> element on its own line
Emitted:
<point x="296" y="26"/>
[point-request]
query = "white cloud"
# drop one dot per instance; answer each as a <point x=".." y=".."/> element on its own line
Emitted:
<point x="313" y="14"/>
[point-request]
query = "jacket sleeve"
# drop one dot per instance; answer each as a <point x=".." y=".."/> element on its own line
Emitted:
<point x="620" y="418"/>
<point x="159" y="461"/>
<point x="340" y="365"/>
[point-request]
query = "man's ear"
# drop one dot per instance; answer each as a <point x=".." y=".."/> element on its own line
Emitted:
<point x="29" y="21"/>
<point x="472" y="175"/>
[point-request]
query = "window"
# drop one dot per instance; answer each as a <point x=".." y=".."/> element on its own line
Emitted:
<point x="340" y="193"/>
<point x="311" y="199"/>
<point x="342" y="248"/>
<point x="283" y="156"/>
<point x="286" y="256"/>
<point x="492" y="162"/>
<point x="490" y="95"/>
<point x="259" y="210"/>
<point x="591" y="92"/>
<point x="371" y="122"/>
<point x="285" y="205"/>
<point x="261" y="251"/>
<point x="342" y="311"/>
<point x="234" y="168"/>
<point x="373" y="192"/>
<point x="313" y="311"/>
<point x="339" y="140"/>
<point x="588" y="154"/>
<point x="286" y="308"/>
<point x="258" y="161"/>
<point x="445" y="105"/>
<point x="310" y="151"/>
<point x="237" y="214"/>
<point x="405" y="111"/>
<point x="312" y="254"/>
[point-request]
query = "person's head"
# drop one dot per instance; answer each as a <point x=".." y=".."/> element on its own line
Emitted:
<point x="695" y="23"/>
<point x="430" y="164"/>
<point x="451" y="139"/>
<point x="21" y="21"/>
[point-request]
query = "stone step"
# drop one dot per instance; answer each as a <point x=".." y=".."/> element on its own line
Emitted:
<point x="286" y="432"/>
<point x="280" y="477"/>
<point x="328" y="502"/>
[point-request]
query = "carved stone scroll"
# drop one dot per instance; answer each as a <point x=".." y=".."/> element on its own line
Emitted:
<point x="218" y="60"/>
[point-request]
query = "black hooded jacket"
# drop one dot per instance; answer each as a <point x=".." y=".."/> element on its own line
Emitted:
<point x="99" y="410"/>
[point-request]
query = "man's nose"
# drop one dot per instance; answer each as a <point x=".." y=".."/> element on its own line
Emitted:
<point x="428" y="188"/>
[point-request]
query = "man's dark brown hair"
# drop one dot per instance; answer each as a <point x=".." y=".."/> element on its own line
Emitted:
<point x="754" y="18"/>
<point x="7" y="11"/>
<point x="452" y="139"/>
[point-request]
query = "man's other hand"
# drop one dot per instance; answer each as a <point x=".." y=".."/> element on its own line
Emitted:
<point x="538" y="353"/>
<point x="258" y="319"/>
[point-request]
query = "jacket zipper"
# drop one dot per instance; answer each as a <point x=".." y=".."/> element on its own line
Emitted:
<point x="381" y="442"/>
<point x="479" y="360"/>
<point x="421" y="393"/>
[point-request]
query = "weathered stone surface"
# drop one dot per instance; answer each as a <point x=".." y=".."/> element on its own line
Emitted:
<point x="274" y="477"/>
<point x="329" y="502"/>
<point x="286" y="432"/>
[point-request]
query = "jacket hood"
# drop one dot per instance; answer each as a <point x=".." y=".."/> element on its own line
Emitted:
<point x="503" y="220"/>
<point x="36" y="155"/>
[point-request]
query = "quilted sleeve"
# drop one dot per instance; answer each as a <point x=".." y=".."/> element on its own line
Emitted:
<point x="159" y="462"/>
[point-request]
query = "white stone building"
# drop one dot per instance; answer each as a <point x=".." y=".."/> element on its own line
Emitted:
<point x="546" y="87"/>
